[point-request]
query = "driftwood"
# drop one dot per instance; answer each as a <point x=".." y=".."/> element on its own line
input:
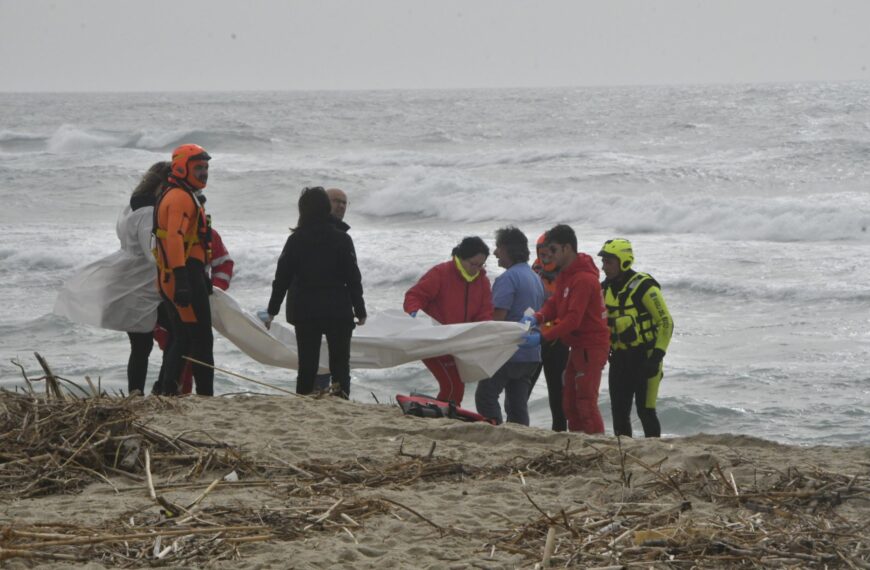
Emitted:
<point x="58" y="440"/>
<point x="787" y="521"/>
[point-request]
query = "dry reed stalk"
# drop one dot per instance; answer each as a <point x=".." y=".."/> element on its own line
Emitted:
<point x="60" y="442"/>
<point x="784" y="518"/>
<point x="246" y="378"/>
<point x="797" y="527"/>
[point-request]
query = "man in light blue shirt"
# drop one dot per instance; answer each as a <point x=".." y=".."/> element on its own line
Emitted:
<point x="517" y="289"/>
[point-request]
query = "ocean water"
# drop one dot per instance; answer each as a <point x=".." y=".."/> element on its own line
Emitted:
<point x="747" y="203"/>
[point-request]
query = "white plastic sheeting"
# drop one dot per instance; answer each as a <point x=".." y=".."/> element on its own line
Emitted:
<point x="387" y="339"/>
<point x="119" y="291"/>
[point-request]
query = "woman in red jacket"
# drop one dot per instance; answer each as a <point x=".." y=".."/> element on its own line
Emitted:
<point x="456" y="291"/>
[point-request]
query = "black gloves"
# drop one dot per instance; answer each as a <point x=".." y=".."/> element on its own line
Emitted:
<point x="182" y="287"/>
<point x="653" y="363"/>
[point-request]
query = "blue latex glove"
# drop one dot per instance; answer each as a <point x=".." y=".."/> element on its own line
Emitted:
<point x="533" y="322"/>
<point x="413" y="314"/>
<point x="264" y="316"/>
<point x="530" y="340"/>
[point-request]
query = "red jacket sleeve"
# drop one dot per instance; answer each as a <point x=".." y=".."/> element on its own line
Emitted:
<point x="221" y="262"/>
<point x="421" y="294"/>
<point x="548" y="311"/>
<point x="579" y="295"/>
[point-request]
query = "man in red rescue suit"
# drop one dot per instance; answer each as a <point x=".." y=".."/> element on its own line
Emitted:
<point x="575" y="314"/>
<point x="183" y="252"/>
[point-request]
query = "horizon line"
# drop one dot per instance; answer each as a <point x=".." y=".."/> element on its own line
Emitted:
<point x="421" y="89"/>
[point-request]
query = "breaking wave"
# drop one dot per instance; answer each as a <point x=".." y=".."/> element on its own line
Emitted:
<point x="68" y="139"/>
<point x="458" y="196"/>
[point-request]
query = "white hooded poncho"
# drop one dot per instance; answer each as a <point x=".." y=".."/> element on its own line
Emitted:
<point x="117" y="292"/>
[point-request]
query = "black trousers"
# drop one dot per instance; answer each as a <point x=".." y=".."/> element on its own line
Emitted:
<point x="554" y="358"/>
<point x="190" y="339"/>
<point x="627" y="381"/>
<point x="141" y="344"/>
<point x="308" y="338"/>
<point x="137" y="365"/>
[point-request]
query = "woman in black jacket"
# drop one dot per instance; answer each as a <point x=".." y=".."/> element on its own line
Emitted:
<point x="326" y="294"/>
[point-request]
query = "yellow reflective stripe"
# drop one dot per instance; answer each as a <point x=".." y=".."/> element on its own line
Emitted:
<point x="158" y="260"/>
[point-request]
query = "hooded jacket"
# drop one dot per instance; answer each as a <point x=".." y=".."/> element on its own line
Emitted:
<point x="320" y="263"/>
<point x="118" y="292"/>
<point x="548" y="273"/>
<point x="445" y="295"/>
<point x="576" y="308"/>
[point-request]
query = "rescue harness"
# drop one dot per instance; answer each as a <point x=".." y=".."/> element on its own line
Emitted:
<point x="631" y="324"/>
<point x="201" y="234"/>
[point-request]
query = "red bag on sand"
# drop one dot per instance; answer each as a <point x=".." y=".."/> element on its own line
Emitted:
<point x="426" y="407"/>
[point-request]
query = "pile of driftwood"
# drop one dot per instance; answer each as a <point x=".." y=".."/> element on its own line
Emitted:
<point x="703" y="519"/>
<point x="71" y="437"/>
<point x="68" y="437"/>
<point x="171" y="532"/>
<point x="194" y="536"/>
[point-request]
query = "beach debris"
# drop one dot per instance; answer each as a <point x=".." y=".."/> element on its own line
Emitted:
<point x="785" y="519"/>
<point x="646" y="511"/>
<point x="62" y="441"/>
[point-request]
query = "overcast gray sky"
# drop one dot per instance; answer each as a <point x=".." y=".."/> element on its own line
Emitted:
<point x="162" y="45"/>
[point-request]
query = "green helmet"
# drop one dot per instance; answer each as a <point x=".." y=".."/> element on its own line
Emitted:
<point x="619" y="248"/>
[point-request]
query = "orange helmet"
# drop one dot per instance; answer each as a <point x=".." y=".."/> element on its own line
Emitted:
<point x="540" y="265"/>
<point x="184" y="158"/>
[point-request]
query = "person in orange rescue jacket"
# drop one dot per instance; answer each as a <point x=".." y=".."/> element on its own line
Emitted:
<point x="575" y="314"/>
<point x="221" y="273"/>
<point x="554" y="354"/>
<point x="183" y="253"/>
<point x="455" y="291"/>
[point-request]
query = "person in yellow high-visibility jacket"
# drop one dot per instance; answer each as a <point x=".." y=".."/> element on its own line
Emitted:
<point x="182" y="253"/>
<point x="640" y="331"/>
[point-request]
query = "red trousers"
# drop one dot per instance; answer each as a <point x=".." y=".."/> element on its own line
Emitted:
<point x="580" y="383"/>
<point x="443" y="368"/>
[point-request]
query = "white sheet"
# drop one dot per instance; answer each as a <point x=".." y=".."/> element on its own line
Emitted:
<point x="387" y="339"/>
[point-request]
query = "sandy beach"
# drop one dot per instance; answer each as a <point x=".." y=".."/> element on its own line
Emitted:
<point x="327" y="483"/>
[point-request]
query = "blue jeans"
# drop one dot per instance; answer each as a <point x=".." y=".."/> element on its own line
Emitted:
<point x="515" y="379"/>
